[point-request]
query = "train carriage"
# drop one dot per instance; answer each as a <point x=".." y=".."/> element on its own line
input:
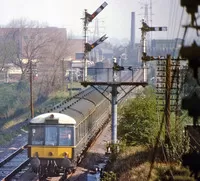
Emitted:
<point x="50" y="134"/>
<point x="65" y="132"/>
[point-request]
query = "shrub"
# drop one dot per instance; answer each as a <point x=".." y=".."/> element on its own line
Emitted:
<point x="168" y="173"/>
<point x="109" y="176"/>
<point x="138" y="122"/>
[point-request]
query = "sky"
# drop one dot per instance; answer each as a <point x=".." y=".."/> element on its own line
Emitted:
<point x="114" y="20"/>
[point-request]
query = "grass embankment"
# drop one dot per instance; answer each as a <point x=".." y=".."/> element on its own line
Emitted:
<point x="10" y="128"/>
<point x="139" y="124"/>
<point x="133" y="164"/>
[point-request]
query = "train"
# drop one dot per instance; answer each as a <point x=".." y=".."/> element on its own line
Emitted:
<point x="57" y="139"/>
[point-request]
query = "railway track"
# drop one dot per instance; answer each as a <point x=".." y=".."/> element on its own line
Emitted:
<point x="14" y="165"/>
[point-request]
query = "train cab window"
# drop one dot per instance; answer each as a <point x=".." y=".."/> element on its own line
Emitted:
<point x="66" y="136"/>
<point x="51" y="136"/>
<point x="37" y="135"/>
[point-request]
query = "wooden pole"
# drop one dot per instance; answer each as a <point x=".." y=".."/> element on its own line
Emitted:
<point x="31" y="90"/>
<point x="167" y="99"/>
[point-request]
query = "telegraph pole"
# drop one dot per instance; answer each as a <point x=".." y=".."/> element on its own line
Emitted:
<point x="63" y="74"/>
<point x="31" y="89"/>
<point x="167" y="98"/>
<point x="85" y="41"/>
<point x="71" y="76"/>
<point x="144" y="29"/>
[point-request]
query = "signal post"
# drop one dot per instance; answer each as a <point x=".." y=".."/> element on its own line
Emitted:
<point x="113" y="78"/>
<point x="88" y="47"/>
<point x="115" y="81"/>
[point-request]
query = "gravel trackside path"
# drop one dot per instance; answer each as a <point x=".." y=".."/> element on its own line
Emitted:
<point x="95" y="155"/>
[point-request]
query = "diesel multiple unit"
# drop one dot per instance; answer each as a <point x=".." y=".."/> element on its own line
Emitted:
<point x="66" y="130"/>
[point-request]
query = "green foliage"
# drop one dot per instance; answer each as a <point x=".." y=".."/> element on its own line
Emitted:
<point x="13" y="96"/>
<point x="173" y="173"/>
<point x="109" y="176"/>
<point x="4" y="138"/>
<point x="138" y="119"/>
<point x="15" y="99"/>
<point x="179" y="144"/>
<point x="139" y="125"/>
<point x="115" y="149"/>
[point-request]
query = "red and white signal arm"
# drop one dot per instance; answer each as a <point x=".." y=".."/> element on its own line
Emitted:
<point x="98" y="11"/>
<point x="100" y="40"/>
<point x="158" y="28"/>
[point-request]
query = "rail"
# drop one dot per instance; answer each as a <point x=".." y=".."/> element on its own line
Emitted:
<point x="13" y="164"/>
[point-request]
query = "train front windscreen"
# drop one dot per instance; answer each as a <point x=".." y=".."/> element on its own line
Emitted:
<point x="51" y="135"/>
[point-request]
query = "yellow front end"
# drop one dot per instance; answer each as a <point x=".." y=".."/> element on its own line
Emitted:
<point x="51" y="151"/>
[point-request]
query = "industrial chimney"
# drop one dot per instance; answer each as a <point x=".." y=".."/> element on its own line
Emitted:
<point x="133" y="29"/>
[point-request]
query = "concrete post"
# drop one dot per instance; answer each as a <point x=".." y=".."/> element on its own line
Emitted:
<point x="114" y="114"/>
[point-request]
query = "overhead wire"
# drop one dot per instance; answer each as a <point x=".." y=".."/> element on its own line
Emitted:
<point x="162" y="122"/>
<point x="176" y="20"/>
<point x="176" y="43"/>
<point x="170" y="16"/>
<point x="184" y="35"/>
<point x="171" y="22"/>
<point x="176" y="68"/>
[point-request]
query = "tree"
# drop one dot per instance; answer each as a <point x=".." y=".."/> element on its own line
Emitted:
<point x="140" y="124"/>
<point x="45" y="47"/>
<point x="7" y="49"/>
<point x="29" y="45"/>
<point x="138" y="119"/>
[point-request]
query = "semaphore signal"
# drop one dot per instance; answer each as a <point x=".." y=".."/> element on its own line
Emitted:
<point x="90" y="17"/>
<point x="88" y="47"/>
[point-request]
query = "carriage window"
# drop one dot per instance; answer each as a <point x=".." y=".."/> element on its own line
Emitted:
<point x="51" y="136"/>
<point x="37" y="136"/>
<point x="66" y="136"/>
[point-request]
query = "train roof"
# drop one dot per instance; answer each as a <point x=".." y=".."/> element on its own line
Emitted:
<point x="81" y="105"/>
<point x="62" y="118"/>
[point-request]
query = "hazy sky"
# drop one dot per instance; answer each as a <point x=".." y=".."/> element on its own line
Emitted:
<point x="115" y="19"/>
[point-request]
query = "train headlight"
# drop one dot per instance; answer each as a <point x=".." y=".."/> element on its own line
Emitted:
<point x="50" y="153"/>
<point x="36" y="154"/>
<point x="65" y="154"/>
